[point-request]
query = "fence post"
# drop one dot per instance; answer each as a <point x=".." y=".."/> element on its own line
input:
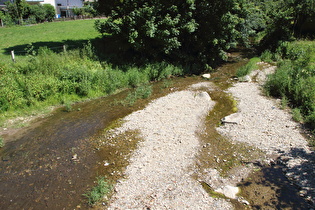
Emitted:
<point x="12" y="55"/>
<point x="64" y="48"/>
<point x="1" y="21"/>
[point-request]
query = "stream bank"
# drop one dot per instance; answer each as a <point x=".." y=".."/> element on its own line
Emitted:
<point x="52" y="164"/>
<point x="221" y="163"/>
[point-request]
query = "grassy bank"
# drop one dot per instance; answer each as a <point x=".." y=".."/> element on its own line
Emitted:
<point x="294" y="80"/>
<point x="49" y="78"/>
<point x="45" y="75"/>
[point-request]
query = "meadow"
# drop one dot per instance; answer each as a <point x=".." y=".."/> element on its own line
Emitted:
<point x="45" y="75"/>
<point x="51" y="34"/>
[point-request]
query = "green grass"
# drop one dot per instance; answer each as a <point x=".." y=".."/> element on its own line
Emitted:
<point x="53" y="35"/>
<point x="97" y="193"/>
<point x="50" y="79"/>
<point x="1" y="142"/>
<point x="248" y="68"/>
<point x="294" y="79"/>
<point x="141" y="92"/>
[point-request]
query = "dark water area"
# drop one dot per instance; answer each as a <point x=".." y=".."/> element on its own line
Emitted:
<point x="269" y="188"/>
<point x="50" y="164"/>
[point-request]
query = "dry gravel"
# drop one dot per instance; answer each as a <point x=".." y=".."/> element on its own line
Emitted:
<point x="159" y="175"/>
<point x="263" y="124"/>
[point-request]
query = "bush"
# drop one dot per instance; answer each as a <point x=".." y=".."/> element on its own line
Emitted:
<point x="295" y="80"/>
<point x="50" y="12"/>
<point x="177" y="31"/>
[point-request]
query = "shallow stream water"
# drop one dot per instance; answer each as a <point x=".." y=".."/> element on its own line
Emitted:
<point x="52" y="163"/>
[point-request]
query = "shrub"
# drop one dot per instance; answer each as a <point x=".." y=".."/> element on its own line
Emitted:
<point x="310" y="119"/>
<point x="278" y="84"/>
<point x="295" y="80"/>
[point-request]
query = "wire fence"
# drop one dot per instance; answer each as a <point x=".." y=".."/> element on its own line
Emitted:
<point x="60" y="48"/>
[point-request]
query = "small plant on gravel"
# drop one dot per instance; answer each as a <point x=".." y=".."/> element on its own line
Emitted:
<point x="284" y="102"/>
<point x="296" y="115"/>
<point x="97" y="193"/>
<point x="1" y="142"/>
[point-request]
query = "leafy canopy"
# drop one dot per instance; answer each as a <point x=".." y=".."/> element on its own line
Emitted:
<point x="191" y="32"/>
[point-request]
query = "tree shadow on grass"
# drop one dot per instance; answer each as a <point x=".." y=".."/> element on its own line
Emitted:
<point x="270" y="188"/>
<point x="54" y="46"/>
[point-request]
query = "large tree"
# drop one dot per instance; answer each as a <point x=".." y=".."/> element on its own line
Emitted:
<point x="286" y="19"/>
<point x="192" y="32"/>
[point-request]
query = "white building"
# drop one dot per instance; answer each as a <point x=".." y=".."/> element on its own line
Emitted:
<point x="64" y="8"/>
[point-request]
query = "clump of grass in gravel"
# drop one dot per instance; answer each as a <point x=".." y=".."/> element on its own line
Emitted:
<point x="99" y="192"/>
<point x="141" y="92"/>
<point x="248" y="68"/>
<point x="1" y="142"/>
<point x="297" y="115"/>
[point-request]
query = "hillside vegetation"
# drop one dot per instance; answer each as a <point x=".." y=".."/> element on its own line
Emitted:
<point x="294" y="80"/>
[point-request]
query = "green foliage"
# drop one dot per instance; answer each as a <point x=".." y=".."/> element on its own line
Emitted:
<point x="297" y="115"/>
<point x="24" y="13"/>
<point x="50" y="12"/>
<point x="246" y="69"/>
<point x="98" y="192"/>
<point x="286" y="19"/>
<point x="48" y="78"/>
<point x="193" y="33"/>
<point x="141" y="92"/>
<point x="267" y="56"/>
<point x="294" y="79"/>
<point x="1" y="142"/>
<point x="68" y="107"/>
<point x="86" y="11"/>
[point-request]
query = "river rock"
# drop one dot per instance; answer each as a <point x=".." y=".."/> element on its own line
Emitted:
<point x="206" y="76"/>
<point x="234" y="118"/>
<point x="204" y="95"/>
<point x="246" y="78"/>
<point x="228" y="191"/>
